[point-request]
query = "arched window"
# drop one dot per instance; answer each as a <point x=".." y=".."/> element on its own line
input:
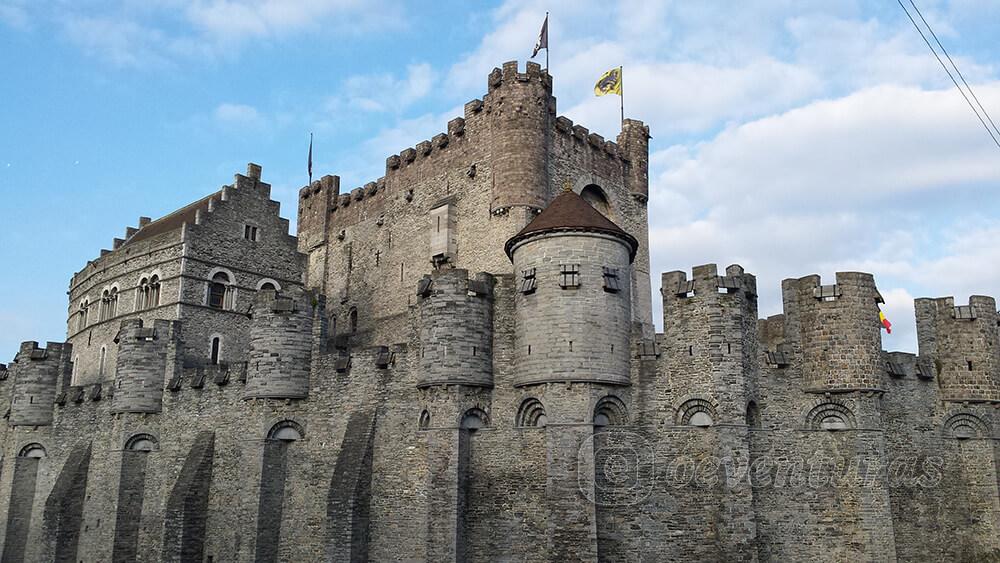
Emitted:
<point x="153" y="297"/>
<point x="33" y="451"/>
<point x="142" y="294"/>
<point x="425" y="420"/>
<point x="286" y="431"/>
<point x="610" y="411"/>
<point x="113" y="303"/>
<point x="696" y="412"/>
<point x="964" y="426"/>
<point x="830" y="416"/>
<point x="531" y="414"/>
<point x="594" y="195"/>
<point x="354" y="320"/>
<point x="268" y="284"/>
<point x="103" y="360"/>
<point x="474" y="419"/>
<point x="220" y="291"/>
<point x="105" y="304"/>
<point x="141" y="443"/>
<point x="81" y="319"/>
<point x="216" y="350"/>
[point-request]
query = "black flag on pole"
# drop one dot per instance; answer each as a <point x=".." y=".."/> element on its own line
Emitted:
<point x="310" y="165"/>
<point x="543" y="37"/>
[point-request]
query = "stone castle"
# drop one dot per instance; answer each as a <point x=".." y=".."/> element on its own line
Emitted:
<point x="457" y="362"/>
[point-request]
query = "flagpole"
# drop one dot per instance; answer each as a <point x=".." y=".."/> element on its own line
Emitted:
<point x="310" y="158"/>
<point x="547" y="42"/>
<point x="621" y="91"/>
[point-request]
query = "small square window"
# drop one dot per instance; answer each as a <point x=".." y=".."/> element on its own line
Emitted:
<point x="569" y="277"/>
<point x="528" y="281"/>
<point x="250" y="233"/>
<point x="611" y="282"/>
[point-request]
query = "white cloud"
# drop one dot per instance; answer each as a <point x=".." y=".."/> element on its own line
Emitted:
<point x="149" y="34"/>
<point x="245" y="19"/>
<point x="874" y="181"/>
<point x="385" y="92"/>
<point x="237" y="115"/>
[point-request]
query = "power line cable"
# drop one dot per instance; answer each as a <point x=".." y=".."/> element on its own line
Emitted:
<point x="955" y="66"/>
<point x="945" y="67"/>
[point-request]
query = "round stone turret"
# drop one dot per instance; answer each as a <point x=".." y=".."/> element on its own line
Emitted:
<point x="456" y="329"/>
<point x="37" y="372"/>
<point x="520" y="107"/>
<point x="281" y="334"/>
<point x="837" y="329"/>
<point x="573" y="303"/>
<point x="141" y="367"/>
<point x="962" y="341"/>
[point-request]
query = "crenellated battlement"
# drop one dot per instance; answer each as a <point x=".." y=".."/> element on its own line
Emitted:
<point x="456" y="328"/>
<point x="962" y="341"/>
<point x="502" y="119"/>
<point x="705" y="280"/>
<point x="281" y="343"/>
<point x="148" y="357"/>
<point x="710" y="335"/>
<point x="38" y="374"/>
<point x="836" y="329"/>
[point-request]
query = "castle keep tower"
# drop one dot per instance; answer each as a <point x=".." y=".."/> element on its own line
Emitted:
<point x="37" y="373"/>
<point x="147" y="356"/>
<point x="963" y="342"/>
<point x="281" y="344"/>
<point x="573" y="301"/>
<point x="521" y="108"/>
<point x="456" y="329"/>
<point x="837" y="329"/>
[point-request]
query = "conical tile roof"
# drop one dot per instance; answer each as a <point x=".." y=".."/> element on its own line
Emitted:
<point x="569" y="212"/>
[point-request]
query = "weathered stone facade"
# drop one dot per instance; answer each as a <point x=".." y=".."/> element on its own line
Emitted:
<point x="457" y="362"/>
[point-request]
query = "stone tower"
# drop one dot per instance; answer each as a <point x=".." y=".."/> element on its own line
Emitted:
<point x="456" y="329"/>
<point x="838" y="331"/>
<point x="963" y="343"/>
<point x="521" y="107"/>
<point x="571" y="355"/>
<point x="281" y="344"/>
<point x="710" y="327"/>
<point x="573" y="301"/>
<point x="147" y="357"/>
<point x="38" y="372"/>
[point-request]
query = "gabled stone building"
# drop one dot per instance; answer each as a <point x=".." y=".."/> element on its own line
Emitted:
<point x="457" y="362"/>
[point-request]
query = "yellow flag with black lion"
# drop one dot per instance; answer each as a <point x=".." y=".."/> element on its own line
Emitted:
<point x="609" y="83"/>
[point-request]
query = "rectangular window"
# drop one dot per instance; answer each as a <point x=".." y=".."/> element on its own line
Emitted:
<point x="611" y="284"/>
<point x="443" y="244"/>
<point x="528" y="281"/>
<point x="569" y="277"/>
<point x="250" y="233"/>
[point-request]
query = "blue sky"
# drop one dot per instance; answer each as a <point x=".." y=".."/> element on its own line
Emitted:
<point x="791" y="136"/>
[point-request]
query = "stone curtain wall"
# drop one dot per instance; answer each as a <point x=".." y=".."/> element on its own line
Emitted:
<point x="684" y="468"/>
